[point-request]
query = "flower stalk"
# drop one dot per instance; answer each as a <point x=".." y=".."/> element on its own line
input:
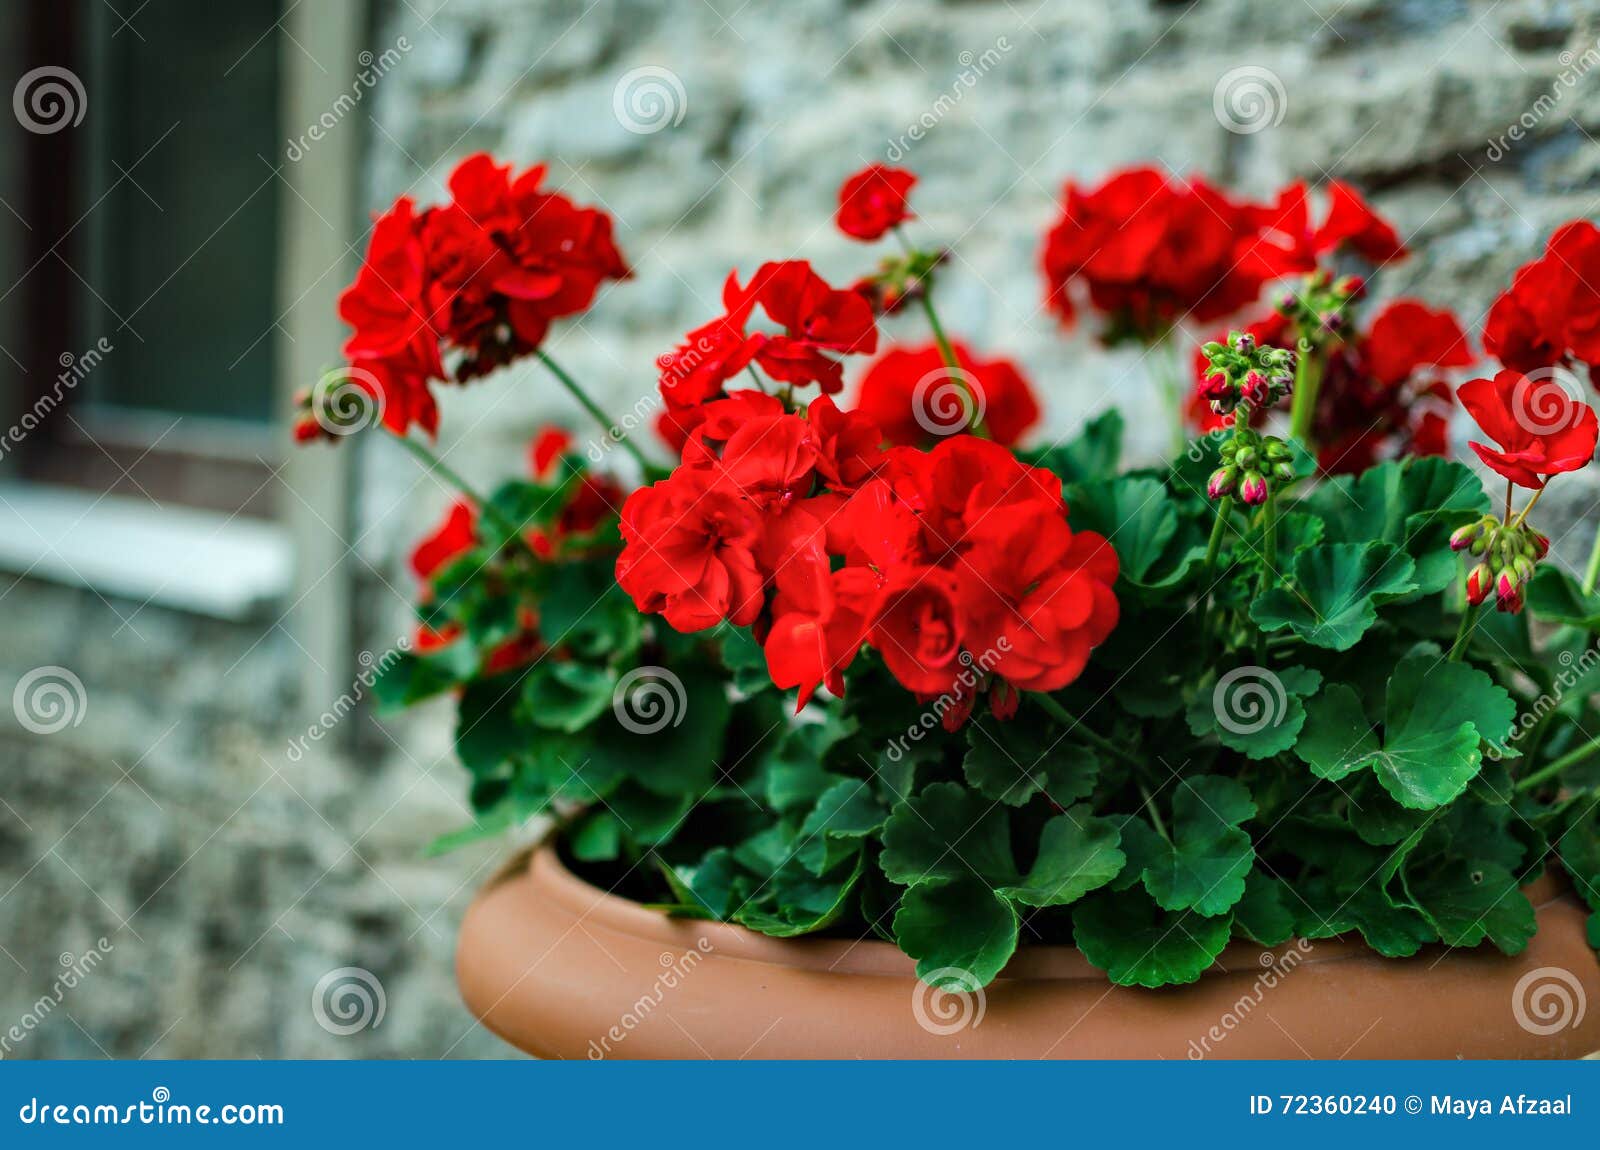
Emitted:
<point x="607" y="424"/>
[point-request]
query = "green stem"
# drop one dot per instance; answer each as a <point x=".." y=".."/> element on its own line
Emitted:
<point x="1218" y="530"/>
<point x="610" y="426"/>
<point x="1062" y="715"/>
<point x="1303" y="407"/>
<point x="1591" y="574"/>
<point x="947" y="351"/>
<point x="1551" y="770"/>
<point x="1150" y="806"/>
<point x="1469" y="620"/>
<point x="1269" y="566"/>
<point x="440" y="468"/>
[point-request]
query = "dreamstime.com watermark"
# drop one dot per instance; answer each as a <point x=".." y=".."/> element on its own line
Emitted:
<point x="372" y="668"/>
<point x="49" y="699"/>
<point x="1574" y="668"/>
<point x="74" y="370"/>
<point x="948" y="1000"/>
<point x="1275" y="968"/>
<point x="973" y="669"/>
<point x="373" y="68"/>
<point x="630" y="421"/>
<point x="1574" y="67"/>
<point x="48" y="99"/>
<point x="74" y="969"/>
<point x="675" y="969"/>
<point x="1548" y="1000"/>
<point x="159" y="1110"/>
<point x="973" y="69"/>
<point x="348" y="1000"/>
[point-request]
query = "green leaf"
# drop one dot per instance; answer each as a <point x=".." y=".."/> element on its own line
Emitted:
<point x="674" y="738"/>
<point x="582" y="608"/>
<point x="506" y="815"/>
<point x="1092" y="454"/>
<point x="1435" y="716"/>
<point x="1412" y="504"/>
<point x="1077" y="854"/>
<point x="1155" y="544"/>
<point x="1204" y="867"/>
<point x="955" y="928"/>
<point x="948" y="832"/>
<point x="1556" y="597"/>
<point x="1263" y="915"/>
<point x="1337" y="739"/>
<point x="1138" y="944"/>
<point x="1013" y="761"/>
<point x="412" y="677"/>
<point x="1468" y="903"/>
<point x="744" y="659"/>
<point x="567" y="696"/>
<point x="794" y="772"/>
<point x="1253" y="710"/>
<point x="488" y="735"/>
<point x="1335" y="589"/>
<point x="846" y="813"/>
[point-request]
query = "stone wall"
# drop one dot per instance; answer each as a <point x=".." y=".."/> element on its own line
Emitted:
<point x="230" y="879"/>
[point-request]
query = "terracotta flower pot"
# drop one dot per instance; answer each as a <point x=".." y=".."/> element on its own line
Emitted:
<point x="563" y="970"/>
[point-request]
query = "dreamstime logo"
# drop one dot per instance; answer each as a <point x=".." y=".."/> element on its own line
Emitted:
<point x="648" y="99"/>
<point x="1549" y="400"/>
<point x="347" y="400"/>
<point x="1249" y="699"/>
<point x="1249" y="99"/>
<point x="74" y="370"/>
<point x="649" y="699"/>
<point x="49" y="99"/>
<point x="75" y="968"/>
<point x="948" y="1000"/>
<point x="348" y="1000"/>
<point x="49" y="699"/>
<point x="1548" y="1000"/>
<point x="373" y="668"/>
<point x="947" y="400"/>
<point x="372" y="69"/>
<point x="974" y="67"/>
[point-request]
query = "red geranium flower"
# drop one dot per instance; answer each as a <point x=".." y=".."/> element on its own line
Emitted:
<point x="455" y="536"/>
<point x="689" y="553"/>
<point x="1352" y="223"/>
<point x="817" y="319"/>
<point x="874" y="200"/>
<point x="909" y="392"/>
<point x="1152" y="251"/>
<point x="1541" y="430"/>
<point x="916" y="627"/>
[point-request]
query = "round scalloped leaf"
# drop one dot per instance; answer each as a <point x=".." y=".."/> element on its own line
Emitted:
<point x="1138" y="944"/>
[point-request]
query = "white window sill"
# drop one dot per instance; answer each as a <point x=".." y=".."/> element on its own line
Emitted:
<point x="180" y="557"/>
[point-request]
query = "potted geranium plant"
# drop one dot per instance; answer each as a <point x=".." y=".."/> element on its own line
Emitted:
<point x="862" y="726"/>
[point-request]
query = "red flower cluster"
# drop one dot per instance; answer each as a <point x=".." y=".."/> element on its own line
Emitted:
<point x="955" y="564"/>
<point x="913" y="396"/>
<point x="874" y="200"/>
<point x="818" y="323"/>
<point x="480" y="277"/>
<point x="1541" y="430"/>
<point x="1378" y="398"/>
<point x="1152" y="250"/>
<point x="1551" y="313"/>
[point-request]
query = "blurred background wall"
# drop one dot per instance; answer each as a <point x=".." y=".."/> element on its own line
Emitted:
<point x="185" y="597"/>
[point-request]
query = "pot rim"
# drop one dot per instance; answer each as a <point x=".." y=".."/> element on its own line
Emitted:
<point x="869" y="956"/>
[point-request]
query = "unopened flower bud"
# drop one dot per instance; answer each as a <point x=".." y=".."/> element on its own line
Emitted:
<point x="1222" y="482"/>
<point x="1479" y="583"/>
<point x="1464" y="537"/>
<point x="1522" y="567"/>
<point x="1253" y="488"/>
<point x="1541" y="543"/>
<point x="1244" y="343"/>
<point x="1247" y="457"/>
<point x="1283" y="470"/>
